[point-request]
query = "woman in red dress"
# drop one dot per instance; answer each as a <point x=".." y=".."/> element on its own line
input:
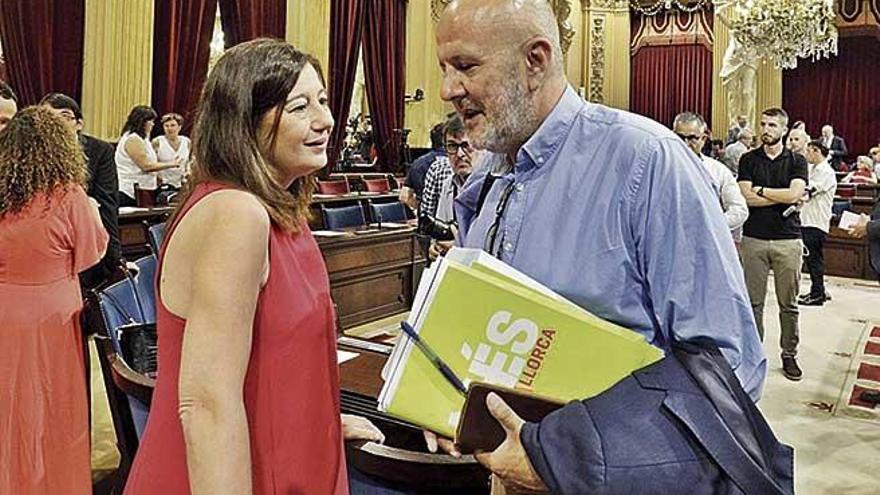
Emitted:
<point x="49" y="232"/>
<point x="247" y="394"/>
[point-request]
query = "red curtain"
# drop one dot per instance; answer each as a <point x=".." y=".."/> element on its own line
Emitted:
<point x="667" y="80"/>
<point x="385" y="55"/>
<point x="244" y="20"/>
<point x="346" y="29"/>
<point x="181" y="50"/>
<point x="43" y="46"/>
<point x="843" y="91"/>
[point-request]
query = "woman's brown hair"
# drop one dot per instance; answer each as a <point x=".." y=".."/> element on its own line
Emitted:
<point x="250" y="80"/>
<point x="37" y="154"/>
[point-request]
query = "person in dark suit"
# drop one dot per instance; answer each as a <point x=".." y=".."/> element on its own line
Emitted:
<point x="103" y="184"/>
<point x="682" y="422"/>
<point x="836" y="145"/>
<point x="870" y="227"/>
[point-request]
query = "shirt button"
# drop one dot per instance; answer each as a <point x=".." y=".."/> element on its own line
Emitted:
<point x="508" y="246"/>
<point x="540" y="159"/>
<point x="520" y="187"/>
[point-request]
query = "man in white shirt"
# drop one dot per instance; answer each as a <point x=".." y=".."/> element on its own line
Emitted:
<point x="692" y="129"/>
<point x="736" y="149"/>
<point x="816" y="219"/>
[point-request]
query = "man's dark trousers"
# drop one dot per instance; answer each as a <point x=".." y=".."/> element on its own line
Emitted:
<point x="814" y="241"/>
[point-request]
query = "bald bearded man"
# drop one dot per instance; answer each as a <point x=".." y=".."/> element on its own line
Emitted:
<point x="612" y="211"/>
<point x="797" y="142"/>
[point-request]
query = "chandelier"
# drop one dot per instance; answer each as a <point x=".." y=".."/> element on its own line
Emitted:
<point x="661" y="5"/>
<point x="783" y="31"/>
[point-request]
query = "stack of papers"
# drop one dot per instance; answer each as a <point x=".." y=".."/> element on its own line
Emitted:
<point x="328" y="233"/>
<point x="848" y="220"/>
<point x="492" y="324"/>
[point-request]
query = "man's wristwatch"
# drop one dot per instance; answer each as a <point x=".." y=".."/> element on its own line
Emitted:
<point x="760" y="191"/>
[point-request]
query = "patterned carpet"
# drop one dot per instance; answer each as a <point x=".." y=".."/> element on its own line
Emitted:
<point x="863" y="374"/>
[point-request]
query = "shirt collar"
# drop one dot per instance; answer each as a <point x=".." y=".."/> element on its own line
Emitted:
<point x="785" y="154"/>
<point x="540" y="147"/>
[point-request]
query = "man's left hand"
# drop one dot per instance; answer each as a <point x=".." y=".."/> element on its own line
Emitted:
<point x="509" y="461"/>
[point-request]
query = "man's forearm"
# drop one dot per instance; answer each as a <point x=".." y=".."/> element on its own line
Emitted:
<point x="756" y="201"/>
<point x="782" y="196"/>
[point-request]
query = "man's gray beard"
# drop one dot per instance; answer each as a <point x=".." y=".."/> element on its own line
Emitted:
<point x="513" y="124"/>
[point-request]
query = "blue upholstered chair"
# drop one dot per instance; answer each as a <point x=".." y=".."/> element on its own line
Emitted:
<point x="128" y="391"/>
<point x="839" y="206"/>
<point x="388" y="212"/>
<point x="145" y="285"/>
<point x="343" y="216"/>
<point x="120" y="306"/>
<point x="156" y="235"/>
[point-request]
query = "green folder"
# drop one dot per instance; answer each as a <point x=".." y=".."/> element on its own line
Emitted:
<point x="492" y="324"/>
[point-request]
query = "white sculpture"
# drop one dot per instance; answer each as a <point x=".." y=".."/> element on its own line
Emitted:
<point x="737" y="74"/>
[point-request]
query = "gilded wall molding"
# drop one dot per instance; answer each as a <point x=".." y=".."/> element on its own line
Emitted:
<point x="562" y="9"/>
<point x="672" y="28"/>
<point x="611" y="5"/>
<point x="597" y="60"/>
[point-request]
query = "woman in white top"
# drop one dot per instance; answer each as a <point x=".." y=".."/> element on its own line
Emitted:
<point x="136" y="160"/>
<point x="172" y="146"/>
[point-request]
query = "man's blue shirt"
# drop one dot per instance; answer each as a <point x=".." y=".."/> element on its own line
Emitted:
<point x="615" y="213"/>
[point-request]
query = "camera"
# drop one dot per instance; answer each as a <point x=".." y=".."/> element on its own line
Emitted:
<point x="437" y="229"/>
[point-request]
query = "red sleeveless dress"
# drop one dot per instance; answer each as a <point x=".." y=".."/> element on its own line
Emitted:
<point x="291" y="389"/>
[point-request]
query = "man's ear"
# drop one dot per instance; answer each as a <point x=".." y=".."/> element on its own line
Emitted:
<point x="79" y="125"/>
<point x="539" y="60"/>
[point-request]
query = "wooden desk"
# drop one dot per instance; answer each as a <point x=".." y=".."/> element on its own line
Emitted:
<point x="847" y="257"/>
<point x="403" y="459"/>
<point x="372" y="275"/>
<point x="133" y="232"/>
<point x="871" y="191"/>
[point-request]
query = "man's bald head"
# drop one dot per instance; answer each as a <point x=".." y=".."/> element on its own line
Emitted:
<point x="504" y="23"/>
<point x="797" y="141"/>
<point x="502" y="68"/>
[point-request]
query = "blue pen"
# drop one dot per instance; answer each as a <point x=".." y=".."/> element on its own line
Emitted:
<point x="438" y="363"/>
